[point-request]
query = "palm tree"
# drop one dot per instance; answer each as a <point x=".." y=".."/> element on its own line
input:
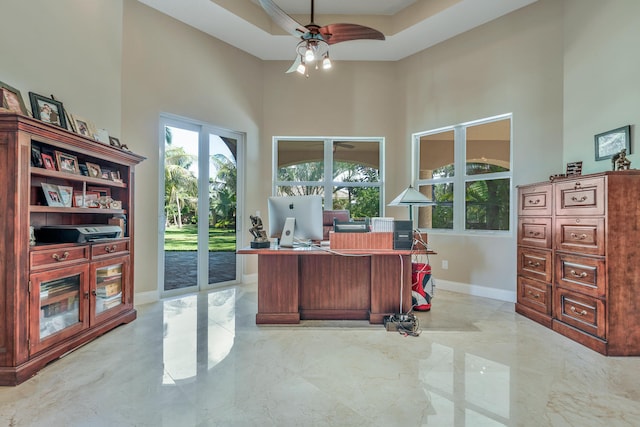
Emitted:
<point x="180" y="185"/>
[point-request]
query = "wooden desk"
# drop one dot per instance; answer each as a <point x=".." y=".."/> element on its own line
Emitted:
<point x="313" y="283"/>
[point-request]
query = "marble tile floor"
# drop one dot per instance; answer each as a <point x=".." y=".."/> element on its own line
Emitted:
<point x="200" y="360"/>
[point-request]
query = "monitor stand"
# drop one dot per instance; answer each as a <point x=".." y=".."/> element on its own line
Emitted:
<point x="286" y="238"/>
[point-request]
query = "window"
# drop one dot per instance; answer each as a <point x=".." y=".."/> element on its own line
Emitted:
<point x="349" y="169"/>
<point x="466" y="170"/>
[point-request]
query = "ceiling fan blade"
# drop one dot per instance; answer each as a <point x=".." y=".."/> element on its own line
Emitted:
<point x="294" y="66"/>
<point x="287" y="23"/>
<point x="337" y="33"/>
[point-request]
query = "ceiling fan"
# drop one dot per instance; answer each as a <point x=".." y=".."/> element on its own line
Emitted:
<point x="315" y="40"/>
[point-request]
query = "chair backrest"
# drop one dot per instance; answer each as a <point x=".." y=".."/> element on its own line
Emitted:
<point x="341" y="215"/>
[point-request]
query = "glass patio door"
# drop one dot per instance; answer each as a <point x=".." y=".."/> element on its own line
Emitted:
<point x="199" y="204"/>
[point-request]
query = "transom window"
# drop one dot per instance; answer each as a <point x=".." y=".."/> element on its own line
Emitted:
<point x="466" y="170"/>
<point x="347" y="169"/>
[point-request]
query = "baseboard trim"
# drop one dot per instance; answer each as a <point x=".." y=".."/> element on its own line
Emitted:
<point x="476" y="290"/>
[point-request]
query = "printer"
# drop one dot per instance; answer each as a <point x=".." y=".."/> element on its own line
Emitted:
<point x="76" y="233"/>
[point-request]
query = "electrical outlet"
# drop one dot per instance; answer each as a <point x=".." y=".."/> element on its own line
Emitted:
<point x="445" y="264"/>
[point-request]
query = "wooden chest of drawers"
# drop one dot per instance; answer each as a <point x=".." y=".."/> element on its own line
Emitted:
<point x="593" y="226"/>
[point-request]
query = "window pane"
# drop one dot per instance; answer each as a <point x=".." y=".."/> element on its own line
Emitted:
<point x="356" y="161"/>
<point x="487" y="205"/>
<point x="299" y="190"/>
<point x="300" y="160"/>
<point x="488" y="147"/>
<point x="441" y="215"/>
<point x="362" y="202"/>
<point x="436" y="155"/>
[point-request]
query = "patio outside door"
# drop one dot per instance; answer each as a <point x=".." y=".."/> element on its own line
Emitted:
<point x="199" y="204"/>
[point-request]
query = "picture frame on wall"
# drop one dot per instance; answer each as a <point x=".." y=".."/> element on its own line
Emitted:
<point x="612" y="142"/>
<point x="47" y="110"/>
<point x="11" y="99"/>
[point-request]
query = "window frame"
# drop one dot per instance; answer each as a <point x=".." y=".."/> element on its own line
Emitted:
<point x="460" y="178"/>
<point x="328" y="182"/>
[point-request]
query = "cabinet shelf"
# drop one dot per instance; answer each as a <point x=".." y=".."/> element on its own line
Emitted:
<point x="52" y="299"/>
<point x="58" y="209"/>
<point x="78" y="178"/>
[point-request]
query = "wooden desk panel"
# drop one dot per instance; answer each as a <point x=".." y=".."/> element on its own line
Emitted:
<point x="278" y="289"/>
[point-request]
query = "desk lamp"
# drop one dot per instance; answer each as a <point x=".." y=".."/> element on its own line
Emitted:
<point x="411" y="197"/>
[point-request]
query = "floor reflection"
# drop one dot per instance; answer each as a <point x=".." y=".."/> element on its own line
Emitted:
<point x="199" y="330"/>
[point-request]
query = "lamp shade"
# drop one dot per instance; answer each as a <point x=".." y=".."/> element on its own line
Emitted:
<point x="411" y="197"/>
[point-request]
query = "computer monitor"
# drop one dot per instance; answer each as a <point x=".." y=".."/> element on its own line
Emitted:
<point x="306" y="212"/>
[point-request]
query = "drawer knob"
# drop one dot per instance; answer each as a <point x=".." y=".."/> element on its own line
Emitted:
<point x="59" y="258"/>
<point x="110" y="249"/>
<point x="536" y="296"/>
<point x="533" y="264"/>
<point x="579" y="200"/>
<point x="578" y="236"/>
<point x="579" y="313"/>
<point x="575" y="274"/>
<point x="534" y="202"/>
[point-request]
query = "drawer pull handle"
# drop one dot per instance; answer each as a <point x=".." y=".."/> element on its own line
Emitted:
<point x="534" y="233"/>
<point x="580" y="200"/>
<point x="534" y="202"/>
<point x="59" y="258"/>
<point x="533" y="264"/>
<point x="575" y="274"/>
<point x="578" y="236"/>
<point x="579" y="313"/>
<point x="110" y="249"/>
<point x="536" y="296"/>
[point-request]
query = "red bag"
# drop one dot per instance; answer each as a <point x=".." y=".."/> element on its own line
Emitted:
<point x="420" y="276"/>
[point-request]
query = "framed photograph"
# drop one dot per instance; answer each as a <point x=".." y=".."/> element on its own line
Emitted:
<point x="94" y="170"/>
<point x="114" y="142"/>
<point x="83" y="169"/>
<point x="115" y="176"/>
<point x="11" y="99"/>
<point x="66" y="195"/>
<point x="48" y="162"/>
<point x="574" y="168"/>
<point x="91" y="199"/>
<point x="78" y="199"/>
<point x="52" y="195"/>
<point x="82" y="126"/>
<point x="36" y="156"/>
<point x="48" y="110"/>
<point x="612" y="142"/>
<point x="67" y="163"/>
<point x="102" y="191"/>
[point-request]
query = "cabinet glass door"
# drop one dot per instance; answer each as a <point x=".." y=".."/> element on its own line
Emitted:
<point x="57" y="296"/>
<point x="109" y="287"/>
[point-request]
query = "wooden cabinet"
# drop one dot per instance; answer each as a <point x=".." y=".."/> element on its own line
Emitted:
<point x="535" y="252"/>
<point x="56" y="296"/>
<point x="595" y="273"/>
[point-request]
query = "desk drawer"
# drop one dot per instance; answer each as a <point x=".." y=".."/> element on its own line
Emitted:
<point x="535" y="295"/>
<point x="582" y="312"/>
<point x="535" y="264"/>
<point x="581" y="274"/>
<point x="535" y="200"/>
<point x="580" y="197"/>
<point x="109" y="249"/>
<point x="584" y="235"/>
<point x="59" y="257"/>
<point x="535" y="231"/>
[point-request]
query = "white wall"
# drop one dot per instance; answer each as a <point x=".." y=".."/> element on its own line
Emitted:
<point x="69" y="48"/>
<point x="601" y="72"/>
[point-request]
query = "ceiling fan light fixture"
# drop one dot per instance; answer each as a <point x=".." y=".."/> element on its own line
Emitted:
<point x="309" y="55"/>
<point x="301" y="68"/>
<point x="326" y="62"/>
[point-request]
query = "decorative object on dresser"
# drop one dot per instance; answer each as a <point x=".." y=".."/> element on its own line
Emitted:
<point x="57" y="294"/>
<point x="611" y="142"/>
<point x="576" y="246"/>
<point x="48" y="110"/>
<point x="574" y="168"/>
<point x="11" y="100"/>
<point x="620" y="162"/>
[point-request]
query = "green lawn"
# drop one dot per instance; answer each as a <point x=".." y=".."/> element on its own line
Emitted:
<point x="186" y="238"/>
